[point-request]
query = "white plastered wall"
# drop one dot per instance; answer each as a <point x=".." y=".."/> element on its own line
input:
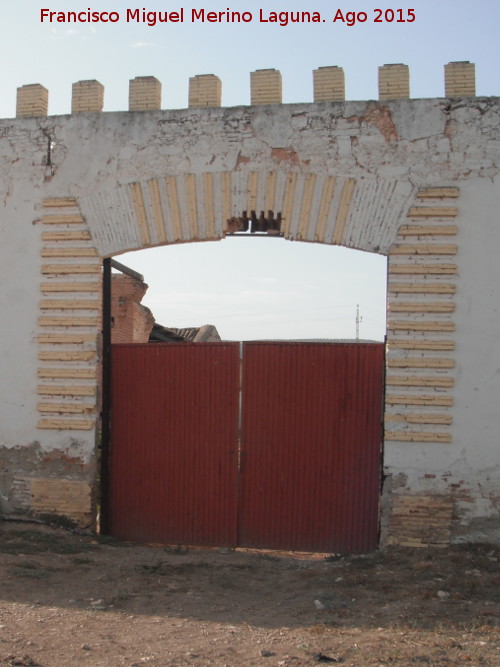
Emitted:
<point x="467" y="470"/>
<point x="360" y="165"/>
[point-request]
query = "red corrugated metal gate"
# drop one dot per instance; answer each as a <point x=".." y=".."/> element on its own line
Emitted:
<point x="174" y="443"/>
<point x="311" y="426"/>
<point x="277" y="449"/>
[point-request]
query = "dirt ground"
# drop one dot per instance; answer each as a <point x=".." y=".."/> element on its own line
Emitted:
<point x="67" y="599"/>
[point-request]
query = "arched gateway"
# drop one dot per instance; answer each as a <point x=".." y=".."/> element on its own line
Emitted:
<point x="416" y="180"/>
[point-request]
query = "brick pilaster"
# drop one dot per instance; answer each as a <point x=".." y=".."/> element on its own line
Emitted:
<point x="329" y="84"/>
<point x="460" y="79"/>
<point x="265" y="87"/>
<point x="144" y="94"/>
<point x="32" y="100"/>
<point x="87" y="96"/>
<point x="393" y="82"/>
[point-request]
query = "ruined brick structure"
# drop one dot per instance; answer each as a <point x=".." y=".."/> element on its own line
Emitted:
<point x="415" y="180"/>
<point x="131" y="321"/>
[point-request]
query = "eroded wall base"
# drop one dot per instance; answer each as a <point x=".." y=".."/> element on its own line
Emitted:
<point x="53" y="485"/>
<point x="436" y="519"/>
<point x="418" y="521"/>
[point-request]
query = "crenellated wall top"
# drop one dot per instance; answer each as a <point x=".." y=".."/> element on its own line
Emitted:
<point x="205" y="90"/>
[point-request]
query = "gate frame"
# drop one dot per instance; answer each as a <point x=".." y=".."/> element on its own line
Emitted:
<point x="330" y="536"/>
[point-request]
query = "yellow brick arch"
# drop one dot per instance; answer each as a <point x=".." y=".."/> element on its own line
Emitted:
<point x="327" y="208"/>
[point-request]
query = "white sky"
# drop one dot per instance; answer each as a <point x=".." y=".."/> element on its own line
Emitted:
<point x="251" y="288"/>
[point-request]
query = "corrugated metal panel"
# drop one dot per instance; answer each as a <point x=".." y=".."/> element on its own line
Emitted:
<point x="311" y="446"/>
<point x="310" y="459"/>
<point x="173" y="455"/>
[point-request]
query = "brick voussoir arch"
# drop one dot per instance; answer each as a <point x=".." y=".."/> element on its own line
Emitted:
<point x="356" y="212"/>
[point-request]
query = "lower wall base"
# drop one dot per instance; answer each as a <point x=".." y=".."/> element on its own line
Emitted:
<point x="53" y="485"/>
<point x="419" y="521"/>
<point x="58" y="486"/>
<point x="65" y="498"/>
<point x="436" y="516"/>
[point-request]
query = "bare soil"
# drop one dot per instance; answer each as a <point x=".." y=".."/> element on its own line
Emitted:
<point x="68" y="599"/>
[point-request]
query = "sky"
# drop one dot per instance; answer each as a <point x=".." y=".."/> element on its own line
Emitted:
<point x="252" y="288"/>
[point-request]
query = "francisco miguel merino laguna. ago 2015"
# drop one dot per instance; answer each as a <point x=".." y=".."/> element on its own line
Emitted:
<point x="182" y="15"/>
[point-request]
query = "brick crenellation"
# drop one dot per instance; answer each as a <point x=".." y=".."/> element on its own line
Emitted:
<point x="87" y="97"/>
<point x="205" y="90"/>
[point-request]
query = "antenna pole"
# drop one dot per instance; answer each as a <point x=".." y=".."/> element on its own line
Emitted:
<point x="358" y="320"/>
